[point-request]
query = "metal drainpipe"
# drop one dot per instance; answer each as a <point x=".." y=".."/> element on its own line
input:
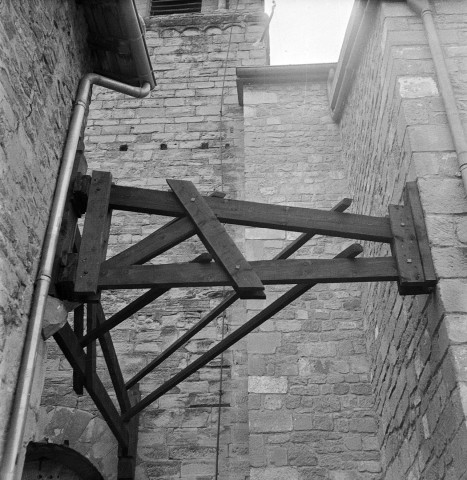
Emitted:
<point x="11" y="470"/>
<point x="423" y="8"/>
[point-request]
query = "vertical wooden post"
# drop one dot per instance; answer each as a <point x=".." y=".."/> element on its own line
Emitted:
<point x="127" y="456"/>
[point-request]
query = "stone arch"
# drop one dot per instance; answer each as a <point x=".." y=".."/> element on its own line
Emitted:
<point x="52" y="461"/>
<point x="82" y="431"/>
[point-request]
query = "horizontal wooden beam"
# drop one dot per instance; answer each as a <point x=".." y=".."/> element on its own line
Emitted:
<point x="271" y="272"/>
<point x="68" y="343"/>
<point x="361" y="227"/>
<point x="233" y="338"/>
<point x="158" y="242"/>
<point x="137" y="304"/>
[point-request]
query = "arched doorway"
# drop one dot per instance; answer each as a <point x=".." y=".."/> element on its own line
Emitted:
<point x="48" y="461"/>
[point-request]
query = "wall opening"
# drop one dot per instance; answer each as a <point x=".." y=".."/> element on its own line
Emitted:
<point x="169" y="7"/>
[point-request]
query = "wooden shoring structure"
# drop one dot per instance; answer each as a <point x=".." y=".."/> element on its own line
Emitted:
<point x="83" y="272"/>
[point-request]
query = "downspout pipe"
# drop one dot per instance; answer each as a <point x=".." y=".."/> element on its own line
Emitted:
<point x="11" y="470"/>
<point x="423" y="8"/>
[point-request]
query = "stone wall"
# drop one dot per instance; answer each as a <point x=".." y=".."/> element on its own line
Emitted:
<point x="310" y="400"/>
<point x="176" y="132"/>
<point x="42" y="58"/>
<point x="394" y="130"/>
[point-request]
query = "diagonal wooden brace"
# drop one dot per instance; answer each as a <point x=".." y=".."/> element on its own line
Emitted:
<point x="218" y="242"/>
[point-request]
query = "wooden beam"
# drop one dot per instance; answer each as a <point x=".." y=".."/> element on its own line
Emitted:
<point x="127" y="456"/>
<point x="234" y="337"/>
<point x="78" y="327"/>
<point x="271" y="272"/>
<point x="68" y="343"/>
<point x="111" y="360"/>
<point x="405" y="249"/>
<point x="262" y="215"/>
<point x="206" y="320"/>
<point x="133" y="307"/>
<point x="91" y="322"/>
<point x="412" y="199"/>
<point x="223" y="305"/>
<point x="217" y="241"/>
<point x="156" y="243"/>
<point x="95" y="234"/>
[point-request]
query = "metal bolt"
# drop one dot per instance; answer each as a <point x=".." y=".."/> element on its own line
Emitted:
<point x="409" y="260"/>
<point x="402" y="224"/>
<point x="237" y="267"/>
<point x="192" y="199"/>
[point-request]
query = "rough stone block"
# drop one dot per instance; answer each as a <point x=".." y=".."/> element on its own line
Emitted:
<point x="277" y="421"/>
<point x="265" y="384"/>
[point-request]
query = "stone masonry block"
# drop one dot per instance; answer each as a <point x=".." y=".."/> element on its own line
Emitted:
<point x="263" y="342"/>
<point x="417" y="87"/>
<point x="277" y="421"/>
<point x="274" y="473"/>
<point x="266" y="384"/>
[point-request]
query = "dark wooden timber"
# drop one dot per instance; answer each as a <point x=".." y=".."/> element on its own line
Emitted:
<point x="405" y="249"/>
<point x="225" y="303"/>
<point x="91" y="323"/>
<point x="217" y="241"/>
<point x="262" y="215"/>
<point x="271" y="272"/>
<point x="154" y="244"/>
<point x="95" y="234"/>
<point x="68" y="343"/>
<point x="111" y="360"/>
<point x="211" y="316"/>
<point x="127" y="456"/>
<point x="234" y="337"/>
<point x="133" y="307"/>
<point x="68" y="226"/>
<point x="78" y="327"/>
<point x="412" y="199"/>
<point x="158" y="242"/>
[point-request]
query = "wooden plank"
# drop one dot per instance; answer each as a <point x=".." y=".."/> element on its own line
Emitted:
<point x="271" y="272"/>
<point x="68" y="343"/>
<point x="154" y="244"/>
<point x="223" y="305"/>
<point x="158" y="242"/>
<point x="234" y="337"/>
<point x="68" y="226"/>
<point x="343" y="205"/>
<point x="217" y="241"/>
<point x="111" y="360"/>
<point x="127" y="456"/>
<point x="95" y="234"/>
<point x="134" y="306"/>
<point x="91" y="323"/>
<point x="78" y="327"/>
<point x="206" y="320"/>
<point x="412" y="199"/>
<point x="362" y="227"/>
<point x="405" y="249"/>
<point x="123" y="314"/>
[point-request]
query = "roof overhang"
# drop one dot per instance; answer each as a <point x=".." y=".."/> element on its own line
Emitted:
<point x="116" y="38"/>
<point x="281" y="74"/>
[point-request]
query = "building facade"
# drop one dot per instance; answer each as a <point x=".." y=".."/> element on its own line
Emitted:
<point x="351" y="381"/>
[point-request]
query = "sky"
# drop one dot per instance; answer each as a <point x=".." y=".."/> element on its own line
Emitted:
<point x="307" y="31"/>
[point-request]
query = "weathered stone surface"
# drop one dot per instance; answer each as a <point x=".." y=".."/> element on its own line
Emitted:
<point x="43" y="56"/>
<point x="267" y="384"/>
<point x="55" y="316"/>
